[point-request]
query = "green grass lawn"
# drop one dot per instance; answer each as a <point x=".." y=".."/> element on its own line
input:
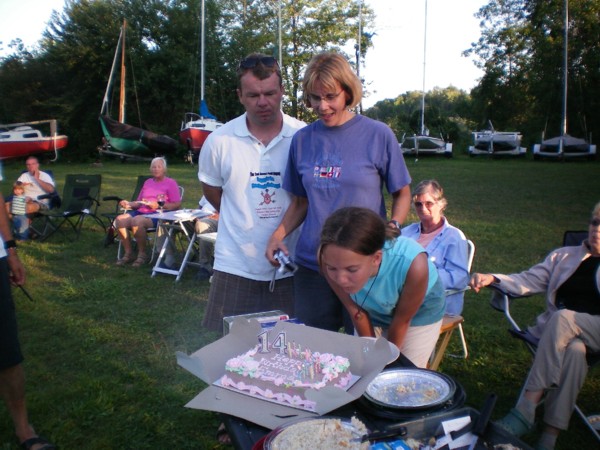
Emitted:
<point x="100" y="340"/>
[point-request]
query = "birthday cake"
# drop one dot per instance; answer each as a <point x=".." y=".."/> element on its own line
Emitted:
<point x="284" y="376"/>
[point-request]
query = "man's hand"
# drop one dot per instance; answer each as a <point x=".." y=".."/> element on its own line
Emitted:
<point x="17" y="271"/>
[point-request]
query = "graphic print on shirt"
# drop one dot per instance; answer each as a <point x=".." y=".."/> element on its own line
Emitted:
<point x="326" y="173"/>
<point x="264" y="187"/>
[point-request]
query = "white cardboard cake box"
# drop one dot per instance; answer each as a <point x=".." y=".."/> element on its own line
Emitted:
<point x="367" y="359"/>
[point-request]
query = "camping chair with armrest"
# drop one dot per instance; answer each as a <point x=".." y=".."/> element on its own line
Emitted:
<point x="452" y="322"/>
<point x="501" y="301"/>
<point x="150" y="231"/>
<point x="111" y="232"/>
<point x="79" y="201"/>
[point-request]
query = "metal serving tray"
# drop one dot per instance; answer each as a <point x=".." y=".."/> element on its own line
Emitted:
<point x="410" y="389"/>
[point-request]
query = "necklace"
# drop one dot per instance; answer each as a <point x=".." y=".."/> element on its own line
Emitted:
<point x="358" y="314"/>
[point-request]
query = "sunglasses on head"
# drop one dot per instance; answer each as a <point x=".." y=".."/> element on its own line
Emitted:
<point x="253" y="61"/>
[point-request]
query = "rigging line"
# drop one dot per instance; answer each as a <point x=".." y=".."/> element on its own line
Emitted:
<point x="135" y="93"/>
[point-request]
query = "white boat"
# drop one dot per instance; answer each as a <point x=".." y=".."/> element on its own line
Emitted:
<point x="564" y="146"/>
<point x="196" y="127"/>
<point x="492" y="142"/>
<point x="423" y="143"/>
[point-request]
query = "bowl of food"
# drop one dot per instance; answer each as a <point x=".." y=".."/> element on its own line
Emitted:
<point x="323" y="433"/>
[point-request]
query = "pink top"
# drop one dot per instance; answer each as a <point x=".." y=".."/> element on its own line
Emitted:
<point x="152" y="188"/>
<point x="426" y="238"/>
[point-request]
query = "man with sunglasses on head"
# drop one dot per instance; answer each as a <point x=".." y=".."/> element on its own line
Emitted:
<point x="241" y="168"/>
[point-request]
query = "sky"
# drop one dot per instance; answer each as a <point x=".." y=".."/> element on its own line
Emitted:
<point x="392" y="67"/>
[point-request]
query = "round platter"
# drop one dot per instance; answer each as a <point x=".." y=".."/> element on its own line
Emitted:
<point x="315" y="434"/>
<point x="410" y="389"/>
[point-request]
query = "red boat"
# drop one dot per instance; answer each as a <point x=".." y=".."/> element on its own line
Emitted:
<point x="195" y="128"/>
<point x="19" y="140"/>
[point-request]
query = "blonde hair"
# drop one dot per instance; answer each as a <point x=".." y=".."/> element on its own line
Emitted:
<point x="432" y="187"/>
<point x="596" y="210"/>
<point x="330" y="69"/>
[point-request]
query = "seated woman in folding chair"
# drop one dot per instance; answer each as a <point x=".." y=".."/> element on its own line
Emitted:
<point x="445" y="244"/>
<point x="568" y="329"/>
<point x="147" y="203"/>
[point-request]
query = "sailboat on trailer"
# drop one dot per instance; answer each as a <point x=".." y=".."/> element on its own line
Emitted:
<point x="496" y="143"/>
<point x="195" y="127"/>
<point x="423" y="143"/>
<point x="564" y="146"/>
<point x="121" y="139"/>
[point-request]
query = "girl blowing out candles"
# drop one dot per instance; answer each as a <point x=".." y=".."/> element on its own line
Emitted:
<point x="385" y="281"/>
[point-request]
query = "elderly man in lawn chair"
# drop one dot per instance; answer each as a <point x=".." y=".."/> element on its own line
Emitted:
<point x="34" y="191"/>
<point x="565" y="336"/>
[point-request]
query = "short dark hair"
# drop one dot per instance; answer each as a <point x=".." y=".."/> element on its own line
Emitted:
<point x="260" y="70"/>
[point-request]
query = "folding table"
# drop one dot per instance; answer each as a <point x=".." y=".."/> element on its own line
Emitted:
<point x="171" y="222"/>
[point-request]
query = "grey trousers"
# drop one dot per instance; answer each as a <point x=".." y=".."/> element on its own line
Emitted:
<point x="559" y="366"/>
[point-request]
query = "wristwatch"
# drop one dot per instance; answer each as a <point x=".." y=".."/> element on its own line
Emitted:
<point x="10" y="244"/>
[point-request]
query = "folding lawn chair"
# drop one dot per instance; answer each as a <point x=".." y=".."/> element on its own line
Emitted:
<point x="79" y="201"/>
<point x="111" y="232"/>
<point x="501" y="301"/>
<point x="450" y="323"/>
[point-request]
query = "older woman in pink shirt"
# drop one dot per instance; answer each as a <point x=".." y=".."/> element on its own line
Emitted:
<point x="158" y="187"/>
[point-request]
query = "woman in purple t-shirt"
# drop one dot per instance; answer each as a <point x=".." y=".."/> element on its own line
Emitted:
<point x="342" y="159"/>
<point x="147" y="202"/>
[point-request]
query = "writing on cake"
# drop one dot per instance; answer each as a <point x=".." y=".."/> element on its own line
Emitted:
<point x="284" y="374"/>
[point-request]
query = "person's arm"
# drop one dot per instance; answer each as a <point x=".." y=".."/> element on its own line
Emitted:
<point x="292" y="219"/>
<point x="17" y="271"/>
<point x="481" y="280"/>
<point x="47" y="187"/>
<point x="213" y="194"/>
<point x="400" y="204"/>
<point x="174" y="195"/>
<point x="411" y="298"/>
<point x="451" y="260"/>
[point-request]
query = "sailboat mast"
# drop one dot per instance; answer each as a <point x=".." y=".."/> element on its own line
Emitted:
<point x="424" y="61"/>
<point x="563" y="128"/>
<point x="202" y="52"/>
<point x="122" y="87"/>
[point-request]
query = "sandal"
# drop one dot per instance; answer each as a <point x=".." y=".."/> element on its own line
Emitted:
<point x="31" y="442"/>
<point x="126" y="259"/>
<point x="140" y="261"/>
<point x="515" y="423"/>
<point x="223" y="436"/>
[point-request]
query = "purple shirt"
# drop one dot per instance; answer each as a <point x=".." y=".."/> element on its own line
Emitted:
<point x="335" y="167"/>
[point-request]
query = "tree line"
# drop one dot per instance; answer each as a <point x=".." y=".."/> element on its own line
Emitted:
<point x="520" y="50"/>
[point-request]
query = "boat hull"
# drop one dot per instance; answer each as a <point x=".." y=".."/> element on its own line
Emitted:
<point x="26" y="141"/>
<point x="564" y="147"/>
<point x="194" y="131"/>
<point x="127" y="140"/>
<point x="497" y="143"/>
<point x="425" y="145"/>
